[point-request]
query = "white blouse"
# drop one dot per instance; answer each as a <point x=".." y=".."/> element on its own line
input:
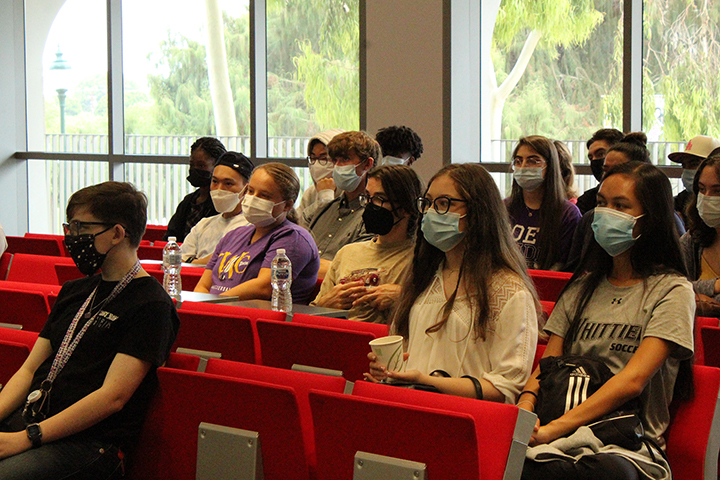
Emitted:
<point x="506" y="355"/>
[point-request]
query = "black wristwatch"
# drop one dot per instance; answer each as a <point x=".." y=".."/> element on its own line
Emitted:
<point x="34" y="434"/>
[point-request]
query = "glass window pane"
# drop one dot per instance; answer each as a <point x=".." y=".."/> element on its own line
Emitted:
<point x="558" y="72"/>
<point x="313" y="71"/>
<point x="66" y="76"/>
<point x="186" y="74"/>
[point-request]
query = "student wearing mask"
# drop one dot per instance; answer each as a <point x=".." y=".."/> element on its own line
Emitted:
<point x="365" y="277"/>
<point x="400" y="145"/>
<point x="240" y="265"/>
<point x="597" y="146"/>
<point x="542" y="218"/>
<point x="198" y="204"/>
<point x="321" y="168"/>
<point x="467" y="310"/>
<point x="230" y="175"/>
<point x="339" y="222"/>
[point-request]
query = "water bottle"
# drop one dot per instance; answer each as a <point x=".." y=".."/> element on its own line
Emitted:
<point x="281" y="280"/>
<point x="172" y="258"/>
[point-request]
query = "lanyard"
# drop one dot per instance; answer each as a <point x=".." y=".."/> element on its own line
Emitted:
<point x="67" y="347"/>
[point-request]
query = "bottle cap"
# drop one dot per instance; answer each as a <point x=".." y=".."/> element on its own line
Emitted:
<point x="172" y="239"/>
<point x="281" y="251"/>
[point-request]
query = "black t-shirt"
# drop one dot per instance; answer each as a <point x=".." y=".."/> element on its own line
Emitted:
<point x="141" y="322"/>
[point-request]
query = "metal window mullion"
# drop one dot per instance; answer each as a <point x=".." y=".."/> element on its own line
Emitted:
<point x="116" y="109"/>
<point x="258" y="79"/>
<point x="632" y="65"/>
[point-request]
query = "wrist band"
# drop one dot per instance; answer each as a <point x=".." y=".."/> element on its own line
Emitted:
<point x="478" y="386"/>
<point x="530" y="392"/>
<point x="526" y="401"/>
<point x="439" y="373"/>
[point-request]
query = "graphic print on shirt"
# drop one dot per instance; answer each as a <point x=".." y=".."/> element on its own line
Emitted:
<point x="231" y="264"/>
<point x="526" y="238"/>
<point x="615" y="336"/>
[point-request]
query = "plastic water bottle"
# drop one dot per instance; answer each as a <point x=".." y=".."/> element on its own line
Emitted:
<point x="281" y="280"/>
<point x="172" y="258"/>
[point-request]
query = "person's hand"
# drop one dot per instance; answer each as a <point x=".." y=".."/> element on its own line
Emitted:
<point x="13" y="443"/>
<point x="343" y="295"/>
<point x="545" y="434"/>
<point x="409" y="376"/>
<point x="380" y="298"/>
<point x="325" y="184"/>
<point x="379" y="373"/>
<point x="706" y="306"/>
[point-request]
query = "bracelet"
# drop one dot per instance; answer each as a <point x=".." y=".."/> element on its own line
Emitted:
<point x="530" y="392"/>
<point x="526" y="401"/>
<point x="478" y="386"/>
<point x="439" y="373"/>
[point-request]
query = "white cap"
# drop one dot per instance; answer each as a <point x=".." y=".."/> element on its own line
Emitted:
<point x="172" y="239"/>
<point x="699" y="147"/>
<point x="281" y="251"/>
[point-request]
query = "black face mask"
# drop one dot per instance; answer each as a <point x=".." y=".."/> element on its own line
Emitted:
<point x="597" y="169"/>
<point x="378" y="220"/>
<point x="83" y="252"/>
<point x="199" y="178"/>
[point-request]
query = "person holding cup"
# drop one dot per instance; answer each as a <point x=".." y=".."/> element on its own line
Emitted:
<point x="468" y="311"/>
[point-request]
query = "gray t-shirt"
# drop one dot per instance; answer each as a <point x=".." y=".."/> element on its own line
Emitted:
<point x="617" y="319"/>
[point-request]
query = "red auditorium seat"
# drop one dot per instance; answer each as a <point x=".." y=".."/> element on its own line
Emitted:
<point x="167" y="447"/>
<point x="376" y="329"/>
<point x="150" y="252"/>
<point x="502" y="431"/>
<point x="707" y="350"/>
<point x="154" y="233"/>
<point x="283" y="344"/>
<point x="252" y="313"/>
<point x="60" y="239"/>
<point x="539" y="351"/>
<point x="5" y="261"/>
<point x="36" y="268"/>
<point x="36" y="246"/>
<point x="693" y="437"/>
<point x="232" y="337"/>
<point x="25" y="308"/>
<point x="66" y="273"/>
<point x="183" y="362"/>
<point x="549" y="284"/>
<point x="15" y="346"/>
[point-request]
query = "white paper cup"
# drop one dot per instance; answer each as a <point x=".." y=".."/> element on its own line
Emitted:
<point x="389" y="351"/>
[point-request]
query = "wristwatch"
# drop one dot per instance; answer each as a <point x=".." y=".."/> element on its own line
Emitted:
<point x="34" y="434"/>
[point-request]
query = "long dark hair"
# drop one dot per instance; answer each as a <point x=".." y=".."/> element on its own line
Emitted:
<point x="700" y="232"/>
<point x="489" y="249"/>
<point x="553" y="202"/>
<point x="656" y="251"/>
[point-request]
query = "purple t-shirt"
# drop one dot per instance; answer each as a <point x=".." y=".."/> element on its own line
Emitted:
<point x="236" y="260"/>
<point x="525" y="224"/>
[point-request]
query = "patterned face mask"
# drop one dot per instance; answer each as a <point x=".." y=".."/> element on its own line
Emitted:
<point x="83" y="252"/>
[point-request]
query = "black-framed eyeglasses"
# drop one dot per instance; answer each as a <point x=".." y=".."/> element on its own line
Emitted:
<point x="441" y="204"/>
<point x="376" y="200"/>
<point x="322" y="160"/>
<point x="74" y="227"/>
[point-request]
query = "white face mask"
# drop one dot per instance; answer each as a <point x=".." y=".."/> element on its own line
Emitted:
<point x="709" y="210"/>
<point x="529" y="178"/>
<point x="224" y="200"/>
<point x="390" y="160"/>
<point x="318" y="172"/>
<point x="258" y="211"/>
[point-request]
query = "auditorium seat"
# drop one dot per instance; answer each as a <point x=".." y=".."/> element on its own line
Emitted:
<point x="36" y="246"/>
<point x="150" y="252"/>
<point x="15" y="346"/>
<point x="36" y="268"/>
<point x="154" y="233"/>
<point x="231" y="337"/>
<point x="456" y="438"/>
<point x="693" y="437"/>
<point x="27" y="309"/>
<point x="5" y="261"/>
<point x="549" y="284"/>
<point x="707" y="350"/>
<point x="283" y="344"/>
<point x="376" y="329"/>
<point x="167" y="447"/>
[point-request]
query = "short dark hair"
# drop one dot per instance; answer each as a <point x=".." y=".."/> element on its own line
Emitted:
<point x="210" y="145"/>
<point x="402" y="187"/>
<point x="238" y="162"/>
<point x="633" y="146"/>
<point x="116" y="203"/>
<point x="395" y="141"/>
<point x="361" y="143"/>
<point x="610" y="135"/>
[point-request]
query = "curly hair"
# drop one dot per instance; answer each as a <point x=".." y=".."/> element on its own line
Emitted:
<point x="395" y="141"/>
<point x="210" y="145"/>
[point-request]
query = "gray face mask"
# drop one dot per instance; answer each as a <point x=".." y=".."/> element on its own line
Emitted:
<point x="529" y="178"/>
<point x="390" y="160"/>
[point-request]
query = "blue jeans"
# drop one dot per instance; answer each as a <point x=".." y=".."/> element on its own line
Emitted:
<point x="65" y="459"/>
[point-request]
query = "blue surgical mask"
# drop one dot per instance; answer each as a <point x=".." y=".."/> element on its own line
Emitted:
<point x="390" y="160"/>
<point x="442" y="231"/>
<point x="614" y="230"/>
<point x="345" y="177"/>
<point x="687" y="179"/>
<point x="529" y="178"/>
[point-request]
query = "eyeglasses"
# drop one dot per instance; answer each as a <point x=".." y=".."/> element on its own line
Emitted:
<point x="322" y="160"/>
<point x="533" y="161"/>
<point x="346" y="161"/>
<point x="441" y="204"/>
<point x="74" y="227"/>
<point x="376" y="200"/>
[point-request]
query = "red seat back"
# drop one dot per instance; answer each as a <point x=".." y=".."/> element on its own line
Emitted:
<point x="444" y="441"/>
<point x="25" y="308"/>
<point x="693" y="437"/>
<point x="36" y="268"/>
<point x="5" y="260"/>
<point x="36" y="246"/>
<point x="66" y="273"/>
<point x="549" y="284"/>
<point x="232" y="337"/>
<point x="183" y="362"/>
<point x="283" y="344"/>
<point x="707" y="351"/>
<point x="376" y="329"/>
<point x="190" y="276"/>
<point x="154" y="233"/>
<point x="12" y="356"/>
<point x="167" y="447"/>
<point x="149" y="252"/>
<point x="18" y="336"/>
<point x="233" y="311"/>
<point x="539" y="351"/>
